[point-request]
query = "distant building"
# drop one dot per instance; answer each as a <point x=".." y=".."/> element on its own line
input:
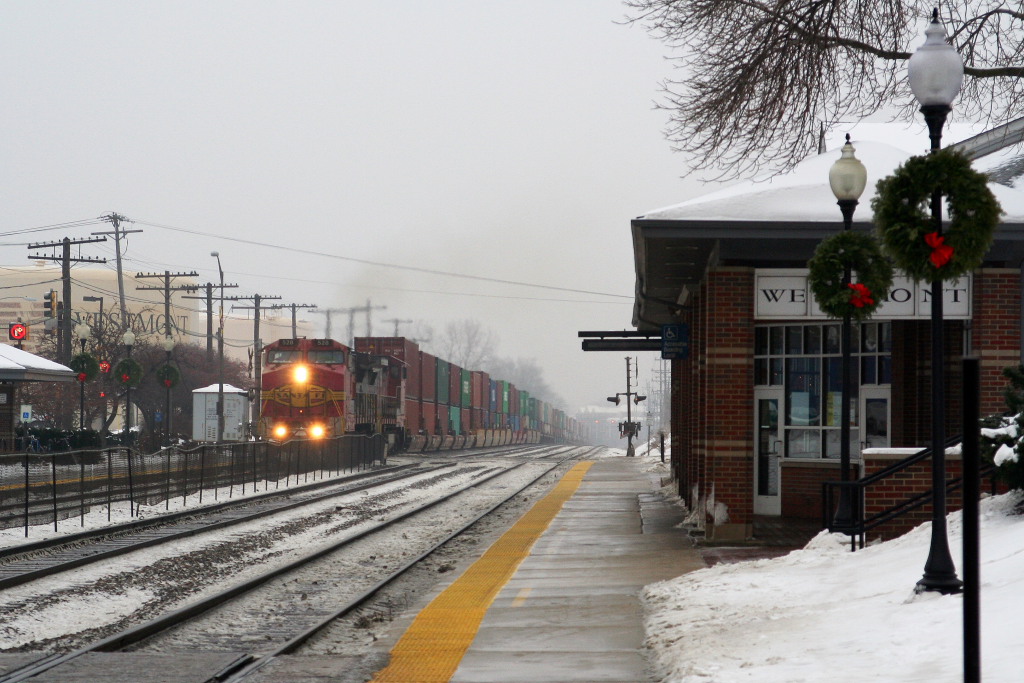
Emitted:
<point x="27" y="289"/>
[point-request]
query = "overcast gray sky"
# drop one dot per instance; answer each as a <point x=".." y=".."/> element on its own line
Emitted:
<point x="508" y="140"/>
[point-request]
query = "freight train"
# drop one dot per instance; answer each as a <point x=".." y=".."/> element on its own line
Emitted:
<point x="317" y="388"/>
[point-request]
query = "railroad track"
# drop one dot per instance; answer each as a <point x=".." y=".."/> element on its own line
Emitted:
<point x="21" y="564"/>
<point x="307" y="596"/>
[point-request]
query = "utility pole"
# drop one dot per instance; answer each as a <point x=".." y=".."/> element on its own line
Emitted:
<point x="257" y="350"/>
<point x="64" y="313"/>
<point x="397" y="322"/>
<point x="295" y="322"/>
<point x="167" y="289"/>
<point x="209" y="313"/>
<point x="115" y="220"/>
<point x="351" y="319"/>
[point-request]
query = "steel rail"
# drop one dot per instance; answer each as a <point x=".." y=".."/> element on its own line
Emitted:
<point x="139" y="524"/>
<point x="120" y="549"/>
<point x="179" y="616"/>
<point x="257" y="662"/>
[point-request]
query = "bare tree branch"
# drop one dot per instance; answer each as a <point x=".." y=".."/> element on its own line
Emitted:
<point x="761" y="78"/>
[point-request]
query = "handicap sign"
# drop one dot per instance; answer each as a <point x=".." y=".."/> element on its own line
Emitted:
<point x="158" y="416"/>
<point x="675" y="341"/>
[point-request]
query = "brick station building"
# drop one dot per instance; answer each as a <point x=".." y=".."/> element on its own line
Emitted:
<point x="755" y="406"/>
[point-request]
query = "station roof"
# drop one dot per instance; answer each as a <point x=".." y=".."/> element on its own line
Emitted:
<point x="777" y="222"/>
<point x="17" y="365"/>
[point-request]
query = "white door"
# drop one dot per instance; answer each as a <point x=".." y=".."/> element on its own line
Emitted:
<point x="874" y="412"/>
<point x="767" y="452"/>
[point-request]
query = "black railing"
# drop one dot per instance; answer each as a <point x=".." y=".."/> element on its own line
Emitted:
<point x="857" y="491"/>
<point x="39" y="488"/>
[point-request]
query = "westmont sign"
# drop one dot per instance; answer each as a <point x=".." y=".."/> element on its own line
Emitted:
<point x="783" y="293"/>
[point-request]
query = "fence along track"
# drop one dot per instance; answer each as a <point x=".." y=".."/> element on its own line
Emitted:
<point x="164" y="529"/>
<point x="131" y="636"/>
<point x="38" y="488"/>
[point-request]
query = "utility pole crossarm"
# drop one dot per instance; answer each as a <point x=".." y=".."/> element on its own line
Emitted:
<point x="166" y="276"/>
<point x="115" y="220"/>
<point x="65" y="259"/>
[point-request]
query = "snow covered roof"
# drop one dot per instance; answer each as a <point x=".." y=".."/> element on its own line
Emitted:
<point x="215" y="388"/>
<point x="19" y="365"/>
<point x="804" y="193"/>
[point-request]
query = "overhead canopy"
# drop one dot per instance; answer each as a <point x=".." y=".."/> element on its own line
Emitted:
<point x="17" y="365"/>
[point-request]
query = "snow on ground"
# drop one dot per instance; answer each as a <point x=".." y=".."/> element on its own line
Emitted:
<point x="823" y="613"/>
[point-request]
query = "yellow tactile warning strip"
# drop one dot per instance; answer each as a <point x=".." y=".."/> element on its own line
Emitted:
<point x="433" y="646"/>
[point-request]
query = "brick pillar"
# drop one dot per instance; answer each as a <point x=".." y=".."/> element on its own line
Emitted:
<point x="726" y="385"/>
<point x="996" y="331"/>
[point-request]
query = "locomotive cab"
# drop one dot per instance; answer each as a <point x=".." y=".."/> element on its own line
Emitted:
<point x="306" y="389"/>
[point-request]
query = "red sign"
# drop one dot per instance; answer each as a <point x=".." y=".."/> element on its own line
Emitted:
<point x="17" y="331"/>
<point x="104" y="366"/>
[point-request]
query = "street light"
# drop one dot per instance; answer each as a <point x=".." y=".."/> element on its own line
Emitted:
<point x="168" y="347"/>
<point x="128" y="339"/>
<point x="83" y="336"/>
<point x="99" y="321"/>
<point x="220" y="354"/>
<point x="935" y="72"/>
<point x="847" y="178"/>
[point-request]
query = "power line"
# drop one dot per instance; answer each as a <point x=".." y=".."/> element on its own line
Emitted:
<point x="379" y="264"/>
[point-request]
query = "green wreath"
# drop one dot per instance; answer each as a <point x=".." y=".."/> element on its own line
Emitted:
<point x="85" y="366"/>
<point x="871" y="270"/>
<point x="128" y="372"/>
<point x="903" y="216"/>
<point x="168" y="375"/>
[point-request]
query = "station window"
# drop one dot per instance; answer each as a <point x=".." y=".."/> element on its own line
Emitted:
<point x="805" y="362"/>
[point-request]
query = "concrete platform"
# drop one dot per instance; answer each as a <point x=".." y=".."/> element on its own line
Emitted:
<point x="571" y="611"/>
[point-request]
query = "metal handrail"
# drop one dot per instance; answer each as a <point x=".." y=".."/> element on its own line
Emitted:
<point x="857" y="492"/>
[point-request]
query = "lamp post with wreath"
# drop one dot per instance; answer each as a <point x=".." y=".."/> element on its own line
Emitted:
<point x="925" y="250"/>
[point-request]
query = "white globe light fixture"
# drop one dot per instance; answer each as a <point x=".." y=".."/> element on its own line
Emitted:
<point x="848" y="177"/>
<point x="935" y="70"/>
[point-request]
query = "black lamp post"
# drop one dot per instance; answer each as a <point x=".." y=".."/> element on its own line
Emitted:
<point x="128" y="339"/>
<point x="83" y="337"/>
<point x="220" y="354"/>
<point x="847" y="177"/>
<point x="935" y="72"/>
<point x="168" y="347"/>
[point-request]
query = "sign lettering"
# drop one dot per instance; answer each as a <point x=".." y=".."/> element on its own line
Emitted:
<point x="785" y="294"/>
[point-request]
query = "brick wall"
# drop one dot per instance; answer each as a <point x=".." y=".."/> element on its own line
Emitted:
<point x="901" y="486"/>
<point x="995" y="331"/>
<point x="801" y="487"/>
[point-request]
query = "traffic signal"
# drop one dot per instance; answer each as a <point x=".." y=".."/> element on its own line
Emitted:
<point x="51" y="303"/>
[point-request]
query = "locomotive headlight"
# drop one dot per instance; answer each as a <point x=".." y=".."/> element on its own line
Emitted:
<point x="280" y="431"/>
<point x="300" y="374"/>
<point x="317" y="431"/>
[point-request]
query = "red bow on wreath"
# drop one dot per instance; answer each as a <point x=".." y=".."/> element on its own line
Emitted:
<point x="861" y="296"/>
<point x="82" y="377"/>
<point x="125" y="378"/>
<point x="941" y="252"/>
<point x="168" y="383"/>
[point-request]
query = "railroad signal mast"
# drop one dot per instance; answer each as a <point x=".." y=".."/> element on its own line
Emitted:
<point x="628" y="429"/>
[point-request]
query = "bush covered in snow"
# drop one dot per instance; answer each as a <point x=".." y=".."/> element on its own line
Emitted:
<point x="1001" y="436"/>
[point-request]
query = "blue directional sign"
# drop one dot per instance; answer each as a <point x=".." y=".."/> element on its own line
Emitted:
<point x="675" y="341"/>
